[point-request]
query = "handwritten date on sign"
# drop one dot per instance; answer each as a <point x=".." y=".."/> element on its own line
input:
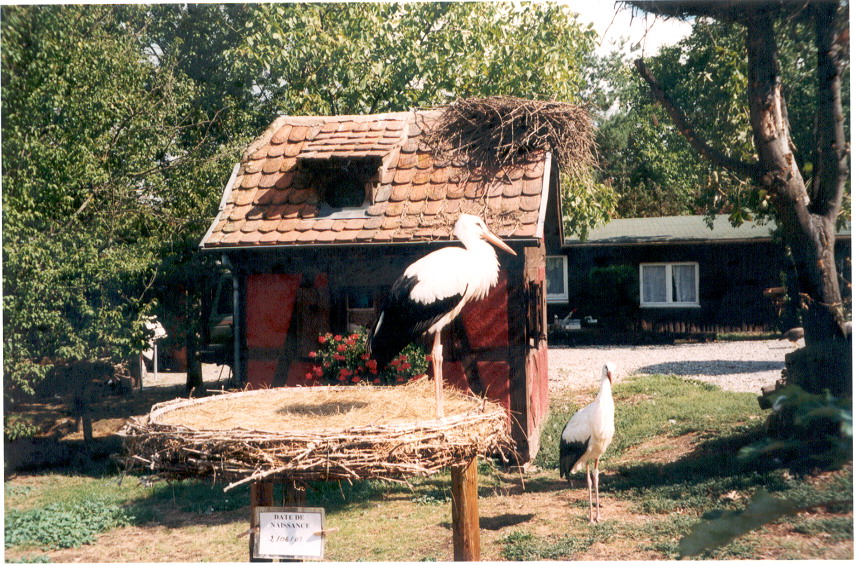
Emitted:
<point x="290" y="533"/>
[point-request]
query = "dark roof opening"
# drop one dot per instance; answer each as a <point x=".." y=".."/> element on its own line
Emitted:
<point x="341" y="183"/>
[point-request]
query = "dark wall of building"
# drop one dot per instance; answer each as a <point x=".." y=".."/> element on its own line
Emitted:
<point x="732" y="278"/>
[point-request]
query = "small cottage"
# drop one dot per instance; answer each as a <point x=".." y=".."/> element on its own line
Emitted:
<point x="677" y="274"/>
<point x="322" y="214"/>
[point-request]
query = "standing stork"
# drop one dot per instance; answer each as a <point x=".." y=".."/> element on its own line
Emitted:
<point x="431" y="293"/>
<point x="587" y="435"/>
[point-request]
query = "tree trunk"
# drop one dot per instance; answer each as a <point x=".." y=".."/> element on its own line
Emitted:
<point x="809" y="226"/>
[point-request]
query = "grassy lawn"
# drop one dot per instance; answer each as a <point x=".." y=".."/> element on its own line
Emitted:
<point x="673" y="459"/>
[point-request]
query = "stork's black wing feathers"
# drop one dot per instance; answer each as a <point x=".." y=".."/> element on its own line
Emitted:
<point x="402" y="320"/>
<point x="570" y="452"/>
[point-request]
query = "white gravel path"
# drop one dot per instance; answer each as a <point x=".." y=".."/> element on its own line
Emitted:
<point x="734" y="366"/>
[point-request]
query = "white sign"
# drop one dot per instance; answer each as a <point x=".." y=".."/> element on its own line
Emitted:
<point x="290" y="532"/>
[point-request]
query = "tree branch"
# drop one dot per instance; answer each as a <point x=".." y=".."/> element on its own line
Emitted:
<point x="752" y="170"/>
<point x="830" y="168"/>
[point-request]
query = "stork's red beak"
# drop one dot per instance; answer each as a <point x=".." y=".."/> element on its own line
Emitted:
<point x="610" y="377"/>
<point x="490" y="237"/>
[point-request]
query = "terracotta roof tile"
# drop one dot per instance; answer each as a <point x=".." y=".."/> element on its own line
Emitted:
<point x="391" y="223"/>
<point x="281" y="135"/>
<point x="272" y="165"/>
<point x="326" y="236"/>
<point x="377" y="209"/>
<point x="276" y="150"/>
<point x="530" y="203"/>
<point x="382" y="193"/>
<point x="418" y="192"/>
<point x="275" y="199"/>
<point x="287" y="225"/>
<point x="373" y="223"/>
<point x="250" y="181"/>
<point x="291" y="211"/>
<point x="399" y="193"/>
<point x="298" y="196"/>
<point x="346" y="235"/>
<point x="394" y="209"/>
<point x="455" y="191"/>
<point x="254" y="166"/>
<point x="293" y="149"/>
<point x="424" y="160"/>
<point x="509" y="204"/>
<point x="308" y="211"/>
<point x="421" y="177"/>
<point x="433" y="207"/>
<point x="298" y="133"/>
<point x="532" y="186"/>
<point x="437" y="191"/>
<point x="289" y="164"/>
<point x="267" y="181"/>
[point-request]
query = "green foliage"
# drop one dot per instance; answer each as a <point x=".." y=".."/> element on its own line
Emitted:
<point x="720" y="527"/>
<point x="122" y="123"/>
<point x="342" y="360"/>
<point x="97" y="182"/>
<point x="523" y="546"/>
<point x="807" y="430"/>
<point x="381" y="57"/>
<point x="19" y="426"/>
<point x="651" y="166"/>
<point x="63" y="525"/>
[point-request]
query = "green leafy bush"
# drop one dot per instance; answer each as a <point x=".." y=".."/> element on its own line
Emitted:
<point x="19" y="426"/>
<point x="805" y="429"/>
<point x="342" y="360"/>
<point x="65" y="524"/>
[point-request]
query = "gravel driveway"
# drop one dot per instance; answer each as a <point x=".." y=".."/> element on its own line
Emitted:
<point x="734" y="366"/>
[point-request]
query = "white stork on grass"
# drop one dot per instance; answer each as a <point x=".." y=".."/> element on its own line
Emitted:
<point x="431" y="293"/>
<point x="587" y="435"/>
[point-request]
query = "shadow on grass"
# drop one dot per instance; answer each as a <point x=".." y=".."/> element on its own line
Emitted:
<point x="713" y="367"/>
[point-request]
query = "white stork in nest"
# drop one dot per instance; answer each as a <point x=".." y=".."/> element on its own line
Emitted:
<point x="587" y="435"/>
<point x="432" y="292"/>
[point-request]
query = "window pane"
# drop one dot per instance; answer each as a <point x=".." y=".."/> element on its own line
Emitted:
<point x="654" y="289"/>
<point x="684" y="285"/>
<point x="554" y="275"/>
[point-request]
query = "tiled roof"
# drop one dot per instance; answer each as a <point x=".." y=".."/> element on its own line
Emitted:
<point x="275" y="199"/>
<point x="677" y="230"/>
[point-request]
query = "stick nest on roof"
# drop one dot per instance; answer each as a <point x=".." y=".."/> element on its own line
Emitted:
<point x="315" y="433"/>
<point x="500" y="131"/>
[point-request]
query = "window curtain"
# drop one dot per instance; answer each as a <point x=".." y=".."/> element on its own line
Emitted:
<point x="554" y="276"/>
<point x="654" y="289"/>
<point x="684" y="284"/>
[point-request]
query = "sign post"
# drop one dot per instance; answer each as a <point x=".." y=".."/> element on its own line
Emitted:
<point x="296" y="533"/>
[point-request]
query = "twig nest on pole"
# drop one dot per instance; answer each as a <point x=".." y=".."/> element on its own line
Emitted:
<point x="315" y="433"/>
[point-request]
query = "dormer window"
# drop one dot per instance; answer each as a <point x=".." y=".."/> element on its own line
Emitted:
<point x="343" y="184"/>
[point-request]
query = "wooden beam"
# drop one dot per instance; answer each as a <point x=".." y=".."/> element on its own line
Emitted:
<point x="261" y="495"/>
<point x="466" y="514"/>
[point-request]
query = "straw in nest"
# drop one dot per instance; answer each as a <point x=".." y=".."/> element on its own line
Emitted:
<point x="493" y="133"/>
<point x="315" y="433"/>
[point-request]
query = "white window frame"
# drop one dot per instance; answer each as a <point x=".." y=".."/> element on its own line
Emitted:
<point x="558" y="297"/>
<point x="670" y="303"/>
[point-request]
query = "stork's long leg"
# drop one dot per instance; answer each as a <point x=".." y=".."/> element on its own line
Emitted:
<point x="590" y="490"/>
<point x="596" y="481"/>
<point x="437" y="361"/>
